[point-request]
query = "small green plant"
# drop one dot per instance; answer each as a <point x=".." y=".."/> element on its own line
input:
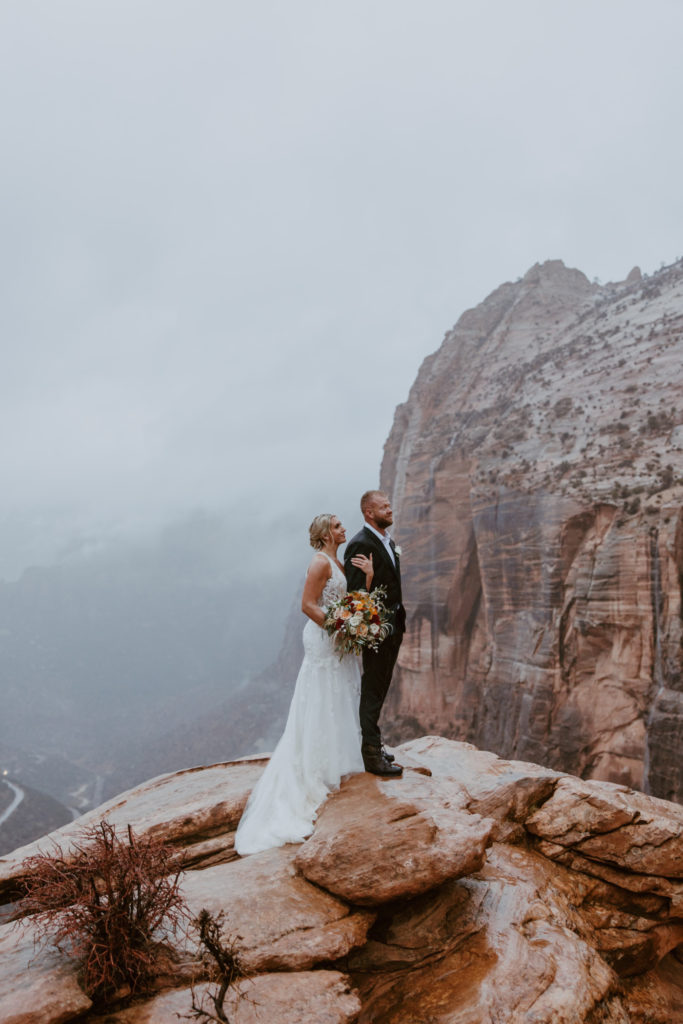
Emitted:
<point x="102" y="903"/>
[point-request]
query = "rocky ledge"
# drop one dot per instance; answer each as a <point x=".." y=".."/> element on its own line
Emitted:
<point x="473" y="889"/>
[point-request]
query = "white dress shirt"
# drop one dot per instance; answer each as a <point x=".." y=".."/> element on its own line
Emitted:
<point x="386" y="539"/>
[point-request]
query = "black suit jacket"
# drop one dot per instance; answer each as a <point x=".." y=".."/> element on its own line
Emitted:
<point x="386" y="574"/>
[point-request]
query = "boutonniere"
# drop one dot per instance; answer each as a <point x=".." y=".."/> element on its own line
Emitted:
<point x="397" y="550"/>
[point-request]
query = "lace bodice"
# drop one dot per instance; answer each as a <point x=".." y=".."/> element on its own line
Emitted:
<point x="335" y="586"/>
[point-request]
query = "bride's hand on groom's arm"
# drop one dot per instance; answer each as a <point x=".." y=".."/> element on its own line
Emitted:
<point x="364" y="563"/>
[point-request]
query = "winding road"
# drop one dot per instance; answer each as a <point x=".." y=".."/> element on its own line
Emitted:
<point x="18" y="797"/>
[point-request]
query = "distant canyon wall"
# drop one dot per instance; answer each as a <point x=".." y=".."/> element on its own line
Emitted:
<point x="536" y="472"/>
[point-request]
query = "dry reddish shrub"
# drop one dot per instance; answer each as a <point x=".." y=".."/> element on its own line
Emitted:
<point x="227" y="968"/>
<point x="102" y="903"/>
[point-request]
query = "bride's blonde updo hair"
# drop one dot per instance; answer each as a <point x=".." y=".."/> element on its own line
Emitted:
<point x="319" y="529"/>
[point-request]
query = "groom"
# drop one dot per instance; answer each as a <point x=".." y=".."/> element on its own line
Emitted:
<point x="374" y="542"/>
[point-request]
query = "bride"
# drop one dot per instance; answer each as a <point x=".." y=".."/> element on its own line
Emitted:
<point x="322" y="739"/>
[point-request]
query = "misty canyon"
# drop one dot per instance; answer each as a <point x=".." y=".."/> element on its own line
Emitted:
<point x="536" y="473"/>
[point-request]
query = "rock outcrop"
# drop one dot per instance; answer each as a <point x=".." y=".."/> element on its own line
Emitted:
<point x="474" y="889"/>
<point x="536" y="473"/>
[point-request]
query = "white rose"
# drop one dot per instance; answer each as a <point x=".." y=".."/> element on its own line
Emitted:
<point x="356" y="619"/>
<point x="374" y="629"/>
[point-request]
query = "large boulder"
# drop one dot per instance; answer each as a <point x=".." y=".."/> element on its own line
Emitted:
<point x="280" y="921"/>
<point x="505" y="791"/>
<point x="377" y="841"/>
<point x="614" y="825"/>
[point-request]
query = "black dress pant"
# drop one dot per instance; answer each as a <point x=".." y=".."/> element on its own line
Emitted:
<point x="377" y="669"/>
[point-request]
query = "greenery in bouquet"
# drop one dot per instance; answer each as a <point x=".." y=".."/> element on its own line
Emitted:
<point x="358" y="620"/>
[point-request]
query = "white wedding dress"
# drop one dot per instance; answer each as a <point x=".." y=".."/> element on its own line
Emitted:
<point x="320" y="744"/>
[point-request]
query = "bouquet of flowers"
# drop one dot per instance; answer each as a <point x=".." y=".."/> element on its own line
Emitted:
<point x="358" y="620"/>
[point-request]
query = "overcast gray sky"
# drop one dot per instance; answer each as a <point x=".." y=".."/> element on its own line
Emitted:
<point x="230" y="232"/>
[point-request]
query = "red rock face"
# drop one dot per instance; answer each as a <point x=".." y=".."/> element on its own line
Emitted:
<point x="536" y="472"/>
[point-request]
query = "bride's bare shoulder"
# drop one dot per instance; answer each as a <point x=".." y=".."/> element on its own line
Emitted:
<point x="320" y="566"/>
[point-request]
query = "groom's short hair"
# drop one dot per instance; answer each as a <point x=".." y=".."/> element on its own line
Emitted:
<point x="367" y="500"/>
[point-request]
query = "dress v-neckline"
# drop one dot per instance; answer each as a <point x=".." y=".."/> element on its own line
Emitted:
<point x="333" y="562"/>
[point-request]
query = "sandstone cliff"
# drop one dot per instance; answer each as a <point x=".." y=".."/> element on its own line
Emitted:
<point x="474" y="890"/>
<point x="536" y="472"/>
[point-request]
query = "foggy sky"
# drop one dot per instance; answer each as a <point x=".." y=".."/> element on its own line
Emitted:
<point x="231" y="232"/>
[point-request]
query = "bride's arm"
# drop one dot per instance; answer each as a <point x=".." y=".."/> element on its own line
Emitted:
<point x="319" y="572"/>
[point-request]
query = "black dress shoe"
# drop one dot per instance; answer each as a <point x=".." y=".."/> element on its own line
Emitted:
<point x="377" y="765"/>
